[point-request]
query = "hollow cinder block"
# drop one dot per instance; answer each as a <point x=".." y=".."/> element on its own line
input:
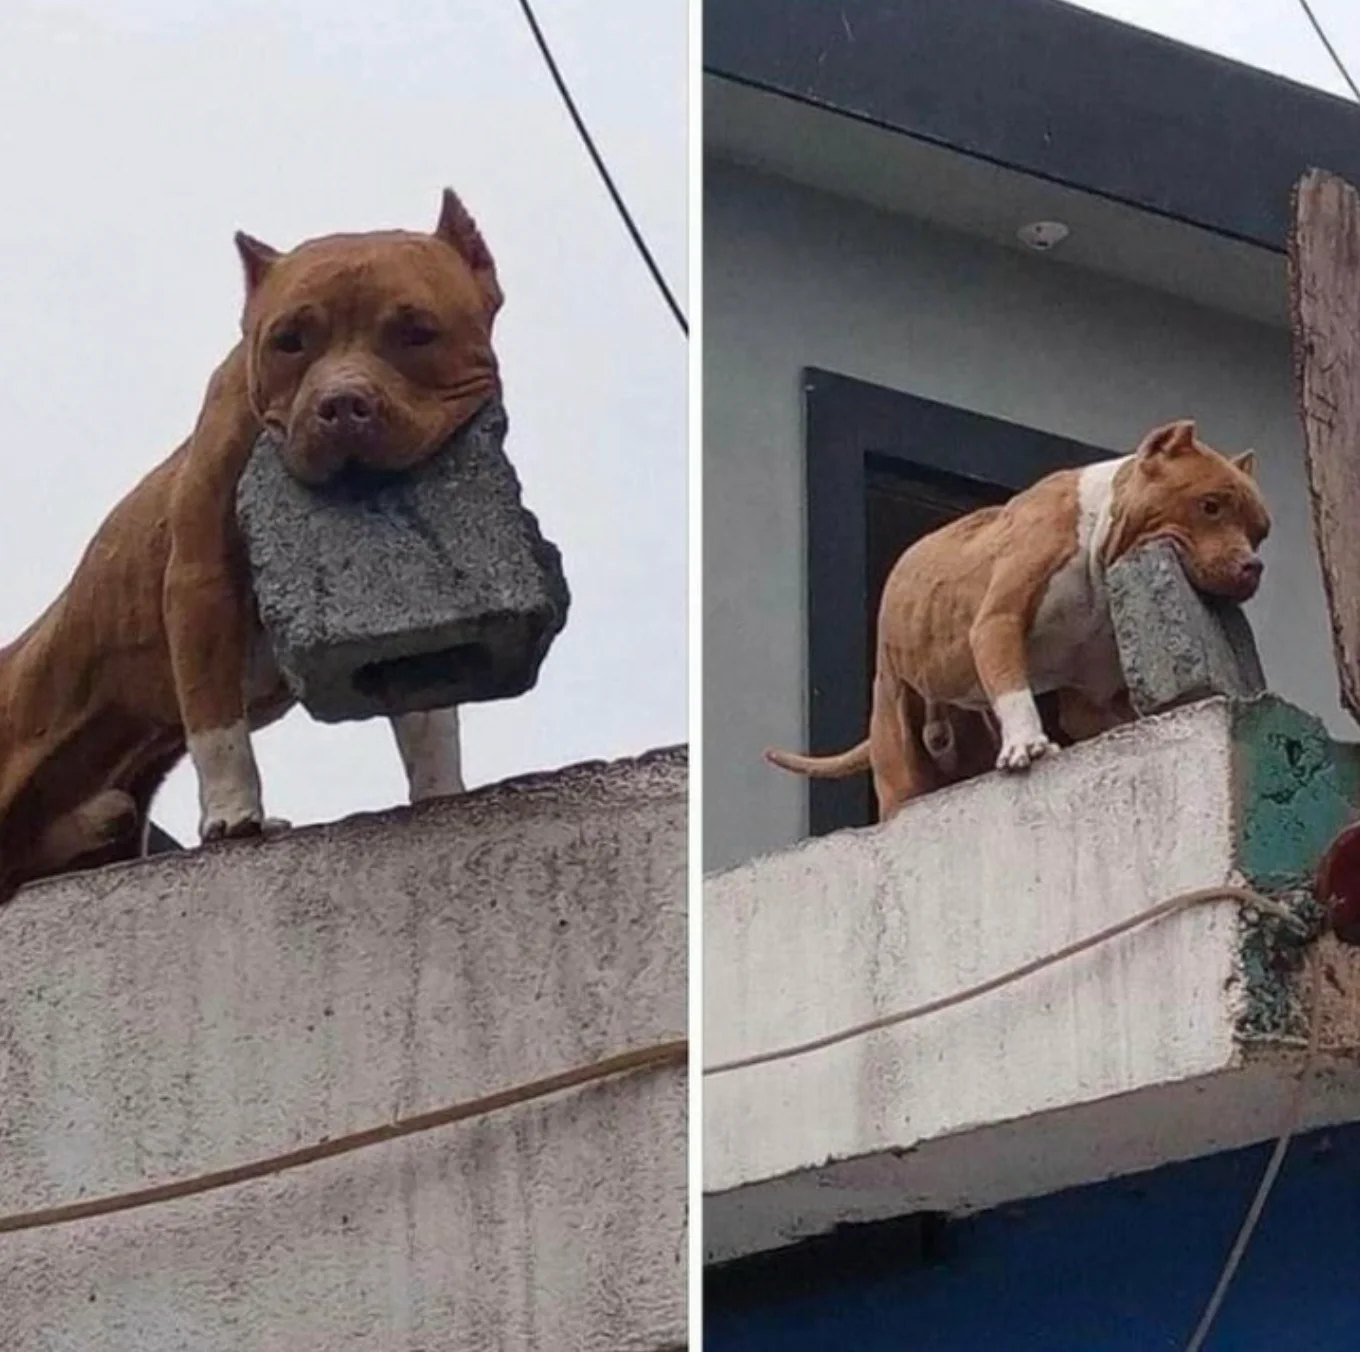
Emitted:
<point x="390" y="594"/>
<point x="1176" y="644"/>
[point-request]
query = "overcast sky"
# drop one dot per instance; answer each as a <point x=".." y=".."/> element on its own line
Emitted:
<point x="136" y="137"/>
<point x="1272" y="34"/>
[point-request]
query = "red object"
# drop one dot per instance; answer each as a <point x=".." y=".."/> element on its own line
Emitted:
<point x="1338" y="884"/>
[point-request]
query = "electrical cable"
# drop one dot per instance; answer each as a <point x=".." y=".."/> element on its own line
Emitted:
<point x="597" y="159"/>
<point x="1272" y="1171"/>
<point x="1331" y="51"/>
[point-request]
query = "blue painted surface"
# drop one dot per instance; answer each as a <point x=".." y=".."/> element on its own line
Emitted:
<point x="1118" y="1267"/>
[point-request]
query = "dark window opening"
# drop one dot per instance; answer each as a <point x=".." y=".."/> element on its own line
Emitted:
<point x="903" y="502"/>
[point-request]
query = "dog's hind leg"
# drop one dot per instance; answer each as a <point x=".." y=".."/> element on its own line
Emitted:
<point x="109" y="818"/>
<point x="900" y="768"/>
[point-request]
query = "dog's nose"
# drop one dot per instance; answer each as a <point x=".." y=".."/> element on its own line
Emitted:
<point x="1251" y="569"/>
<point x="345" y="406"/>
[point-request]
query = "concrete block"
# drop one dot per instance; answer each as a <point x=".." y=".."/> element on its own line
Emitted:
<point x="1176" y="644"/>
<point x="388" y="594"/>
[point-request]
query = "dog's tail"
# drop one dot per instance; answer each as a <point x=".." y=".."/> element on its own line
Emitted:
<point x="822" y="767"/>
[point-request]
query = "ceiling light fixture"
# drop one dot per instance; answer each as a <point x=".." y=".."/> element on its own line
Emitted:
<point x="1041" y="236"/>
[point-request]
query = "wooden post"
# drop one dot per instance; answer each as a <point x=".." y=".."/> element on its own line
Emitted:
<point x="1324" y="285"/>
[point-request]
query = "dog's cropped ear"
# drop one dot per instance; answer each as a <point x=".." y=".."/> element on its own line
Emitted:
<point x="1246" y="462"/>
<point x="256" y="257"/>
<point x="456" y="227"/>
<point x="1173" y="439"/>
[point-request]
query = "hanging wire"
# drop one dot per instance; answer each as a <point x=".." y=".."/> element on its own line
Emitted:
<point x="1331" y="51"/>
<point x="597" y="159"/>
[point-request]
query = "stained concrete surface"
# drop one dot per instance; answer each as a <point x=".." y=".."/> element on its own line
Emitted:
<point x="1152" y="1047"/>
<point x="190" y="1012"/>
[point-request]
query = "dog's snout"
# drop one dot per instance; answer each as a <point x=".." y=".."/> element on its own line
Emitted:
<point x="1246" y="578"/>
<point x="345" y="406"/>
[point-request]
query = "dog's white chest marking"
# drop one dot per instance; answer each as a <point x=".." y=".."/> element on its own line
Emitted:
<point x="1071" y="641"/>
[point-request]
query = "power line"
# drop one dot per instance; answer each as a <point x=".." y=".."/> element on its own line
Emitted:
<point x="1331" y="51"/>
<point x="603" y="170"/>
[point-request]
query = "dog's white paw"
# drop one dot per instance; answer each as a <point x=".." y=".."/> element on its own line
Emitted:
<point x="241" y="827"/>
<point x="1021" y="755"/>
<point x="231" y="826"/>
<point x="230" y="806"/>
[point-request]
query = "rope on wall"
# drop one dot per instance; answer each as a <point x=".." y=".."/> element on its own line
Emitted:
<point x="657" y="1057"/>
<point x="1182" y="901"/>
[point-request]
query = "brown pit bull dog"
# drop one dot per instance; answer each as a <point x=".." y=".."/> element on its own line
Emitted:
<point x="367" y="348"/>
<point x="980" y="616"/>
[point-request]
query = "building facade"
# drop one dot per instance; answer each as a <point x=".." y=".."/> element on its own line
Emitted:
<point x="1065" y="1164"/>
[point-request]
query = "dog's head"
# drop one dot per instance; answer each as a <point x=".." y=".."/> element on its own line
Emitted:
<point x="1208" y="506"/>
<point x="370" y="349"/>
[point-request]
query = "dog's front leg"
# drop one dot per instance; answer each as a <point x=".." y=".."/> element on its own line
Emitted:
<point x="431" y="751"/>
<point x="998" y="638"/>
<point x="207" y="610"/>
<point x="208" y="633"/>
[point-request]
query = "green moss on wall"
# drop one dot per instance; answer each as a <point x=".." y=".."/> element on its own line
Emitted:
<point x="1295" y="789"/>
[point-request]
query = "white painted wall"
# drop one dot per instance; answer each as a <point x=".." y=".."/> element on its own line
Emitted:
<point x="190" y="1013"/>
<point x="796" y="278"/>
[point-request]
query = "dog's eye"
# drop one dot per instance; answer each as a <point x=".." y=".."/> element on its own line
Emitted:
<point x="418" y="335"/>
<point x="1210" y="506"/>
<point x="286" y="340"/>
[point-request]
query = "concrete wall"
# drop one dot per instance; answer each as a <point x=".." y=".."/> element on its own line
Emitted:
<point x="794" y="278"/>
<point x="201" y="1010"/>
<point x="1163" y="1044"/>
